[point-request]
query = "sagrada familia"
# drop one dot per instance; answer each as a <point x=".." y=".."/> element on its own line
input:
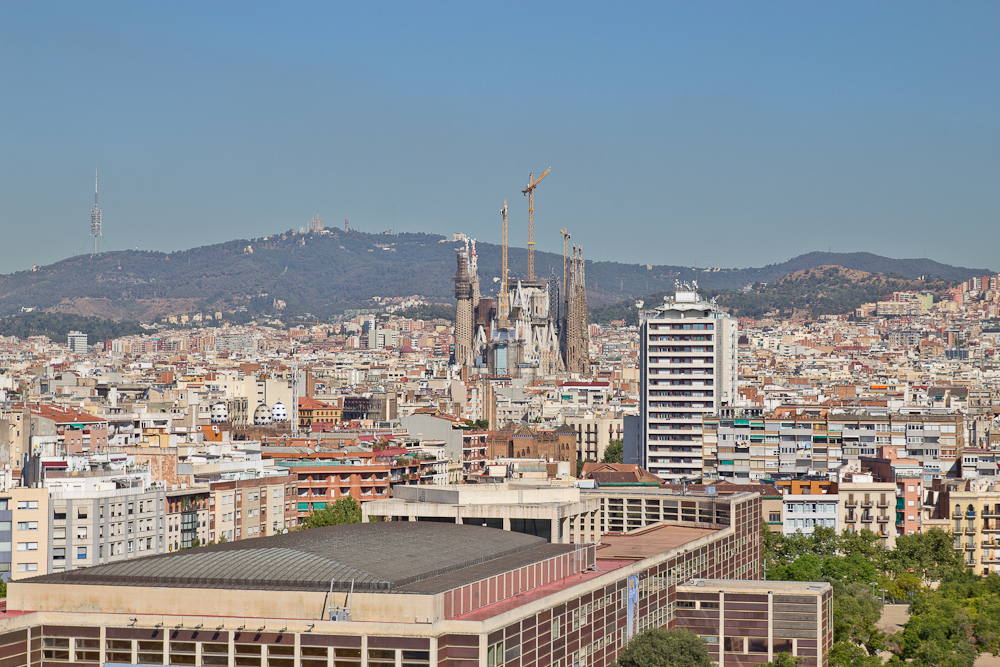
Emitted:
<point x="541" y="329"/>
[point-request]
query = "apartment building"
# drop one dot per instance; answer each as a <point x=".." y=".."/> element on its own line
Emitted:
<point x="24" y="533"/>
<point x="244" y="508"/>
<point x="971" y="512"/>
<point x="743" y="445"/>
<point x="97" y="525"/>
<point x="15" y="432"/>
<point x="594" y="432"/>
<point x="687" y="370"/>
<point x="869" y="505"/>
<point x="188" y="517"/>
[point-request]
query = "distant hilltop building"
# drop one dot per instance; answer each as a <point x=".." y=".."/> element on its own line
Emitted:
<point x="316" y="225"/>
<point x="77" y="342"/>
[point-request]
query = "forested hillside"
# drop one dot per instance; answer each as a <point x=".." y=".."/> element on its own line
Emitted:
<point x="823" y="290"/>
<point x="323" y="274"/>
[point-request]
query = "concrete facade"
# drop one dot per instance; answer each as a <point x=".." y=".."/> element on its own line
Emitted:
<point x="558" y="514"/>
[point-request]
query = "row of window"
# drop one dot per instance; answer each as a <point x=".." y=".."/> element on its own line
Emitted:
<point x="59" y="649"/>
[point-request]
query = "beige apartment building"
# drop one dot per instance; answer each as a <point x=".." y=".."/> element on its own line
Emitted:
<point x="971" y="511"/>
<point x="29" y="531"/>
<point x="869" y="505"/>
<point x="245" y="508"/>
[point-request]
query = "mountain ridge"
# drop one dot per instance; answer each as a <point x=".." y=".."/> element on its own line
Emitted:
<point x="323" y="274"/>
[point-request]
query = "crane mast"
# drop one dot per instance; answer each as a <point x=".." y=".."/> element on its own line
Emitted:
<point x="530" y="191"/>
<point x="504" y="306"/>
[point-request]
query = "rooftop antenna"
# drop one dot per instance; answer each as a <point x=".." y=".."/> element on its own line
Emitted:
<point x="95" y="217"/>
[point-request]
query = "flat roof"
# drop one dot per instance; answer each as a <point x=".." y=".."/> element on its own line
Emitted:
<point x="649" y="542"/>
<point x="754" y="586"/>
<point x="396" y="555"/>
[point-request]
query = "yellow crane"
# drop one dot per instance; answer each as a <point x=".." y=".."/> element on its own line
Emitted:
<point x="530" y="191"/>
<point x="503" y="305"/>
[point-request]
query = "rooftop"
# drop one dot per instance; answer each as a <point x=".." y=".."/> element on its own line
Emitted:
<point x="649" y="542"/>
<point x="423" y="557"/>
<point x="754" y="586"/>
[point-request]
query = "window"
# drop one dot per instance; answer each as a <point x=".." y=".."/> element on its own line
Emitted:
<point x="21" y="525"/>
<point x="709" y="605"/>
<point x="27" y="567"/>
<point x="29" y="505"/>
<point x="733" y="645"/>
<point x="685" y="604"/>
<point x="494" y="655"/>
<point x="81" y="552"/>
<point x="81" y="533"/>
<point x="381" y="657"/>
<point x="27" y="546"/>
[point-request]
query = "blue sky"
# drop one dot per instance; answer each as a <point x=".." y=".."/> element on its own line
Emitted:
<point x="715" y="133"/>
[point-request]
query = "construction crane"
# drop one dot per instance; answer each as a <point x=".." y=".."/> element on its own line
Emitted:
<point x="530" y="191"/>
<point x="502" y="310"/>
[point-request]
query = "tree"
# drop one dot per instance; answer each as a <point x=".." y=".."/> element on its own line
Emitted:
<point x="784" y="660"/>
<point x="579" y="465"/>
<point x="614" y="452"/>
<point x="930" y="555"/>
<point x="3" y="589"/>
<point x="343" y="510"/>
<point x="665" y="648"/>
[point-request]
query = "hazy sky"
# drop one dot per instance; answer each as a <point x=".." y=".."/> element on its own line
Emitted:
<point x="722" y="133"/>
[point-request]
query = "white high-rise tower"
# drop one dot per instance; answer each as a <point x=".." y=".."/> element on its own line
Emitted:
<point x="95" y="216"/>
<point x="688" y="367"/>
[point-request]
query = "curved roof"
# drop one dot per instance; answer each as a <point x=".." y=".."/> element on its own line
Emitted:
<point x="375" y="556"/>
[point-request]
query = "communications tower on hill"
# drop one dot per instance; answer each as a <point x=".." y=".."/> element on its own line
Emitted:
<point x="95" y="217"/>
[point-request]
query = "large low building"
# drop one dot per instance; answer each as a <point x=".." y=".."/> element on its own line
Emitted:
<point x="386" y="594"/>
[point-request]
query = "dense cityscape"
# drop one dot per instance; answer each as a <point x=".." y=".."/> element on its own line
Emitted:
<point x="298" y="370"/>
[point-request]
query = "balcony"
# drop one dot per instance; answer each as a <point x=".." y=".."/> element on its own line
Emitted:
<point x="970" y="530"/>
<point x="851" y="503"/>
<point x="883" y="519"/>
<point x="867" y="518"/>
<point x="867" y="503"/>
<point x="883" y="503"/>
<point x="851" y="518"/>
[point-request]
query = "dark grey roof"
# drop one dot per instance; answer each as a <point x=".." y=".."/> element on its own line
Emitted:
<point x="383" y="555"/>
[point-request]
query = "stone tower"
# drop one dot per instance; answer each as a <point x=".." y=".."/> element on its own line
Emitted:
<point x="463" y="312"/>
<point x="575" y="328"/>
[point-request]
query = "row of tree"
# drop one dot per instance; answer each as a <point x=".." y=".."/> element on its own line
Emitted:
<point x="954" y="613"/>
